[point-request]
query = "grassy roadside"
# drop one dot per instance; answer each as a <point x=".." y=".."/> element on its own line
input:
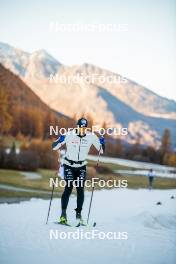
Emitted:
<point x="110" y="166"/>
<point x="105" y="171"/>
<point x="134" y="182"/>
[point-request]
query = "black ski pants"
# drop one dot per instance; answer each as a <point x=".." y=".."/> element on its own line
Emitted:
<point x="74" y="177"/>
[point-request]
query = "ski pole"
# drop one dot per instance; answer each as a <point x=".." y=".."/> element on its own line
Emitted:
<point x="90" y="204"/>
<point x="93" y="189"/>
<point x="50" y="202"/>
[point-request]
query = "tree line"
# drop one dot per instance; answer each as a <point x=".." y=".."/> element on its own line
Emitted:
<point x="30" y="126"/>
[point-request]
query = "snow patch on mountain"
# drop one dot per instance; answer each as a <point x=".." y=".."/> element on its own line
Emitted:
<point x="39" y="64"/>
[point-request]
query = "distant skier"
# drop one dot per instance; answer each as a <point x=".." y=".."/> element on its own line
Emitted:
<point x="78" y="143"/>
<point x="151" y="175"/>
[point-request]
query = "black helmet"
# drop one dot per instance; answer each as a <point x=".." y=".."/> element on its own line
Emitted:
<point x="82" y="122"/>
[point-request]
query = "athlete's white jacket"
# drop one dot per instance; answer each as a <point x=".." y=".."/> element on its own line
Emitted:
<point x="77" y="148"/>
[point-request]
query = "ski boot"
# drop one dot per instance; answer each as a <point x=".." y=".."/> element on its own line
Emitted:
<point x="63" y="218"/>
<point x="79" y="217"/>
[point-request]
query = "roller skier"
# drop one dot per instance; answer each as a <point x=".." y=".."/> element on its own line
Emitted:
<point x="78" y="143"/>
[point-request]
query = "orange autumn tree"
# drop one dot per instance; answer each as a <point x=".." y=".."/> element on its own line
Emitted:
<point x="5" y="117"/>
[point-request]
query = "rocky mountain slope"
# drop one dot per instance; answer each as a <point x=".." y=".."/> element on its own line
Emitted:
<point x="87" y="89"/>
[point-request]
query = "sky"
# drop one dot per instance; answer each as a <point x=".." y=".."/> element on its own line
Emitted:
<point x="141" y="47"/>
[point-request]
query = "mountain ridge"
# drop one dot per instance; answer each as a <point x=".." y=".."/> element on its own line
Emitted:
<point x="137" y="107"/>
